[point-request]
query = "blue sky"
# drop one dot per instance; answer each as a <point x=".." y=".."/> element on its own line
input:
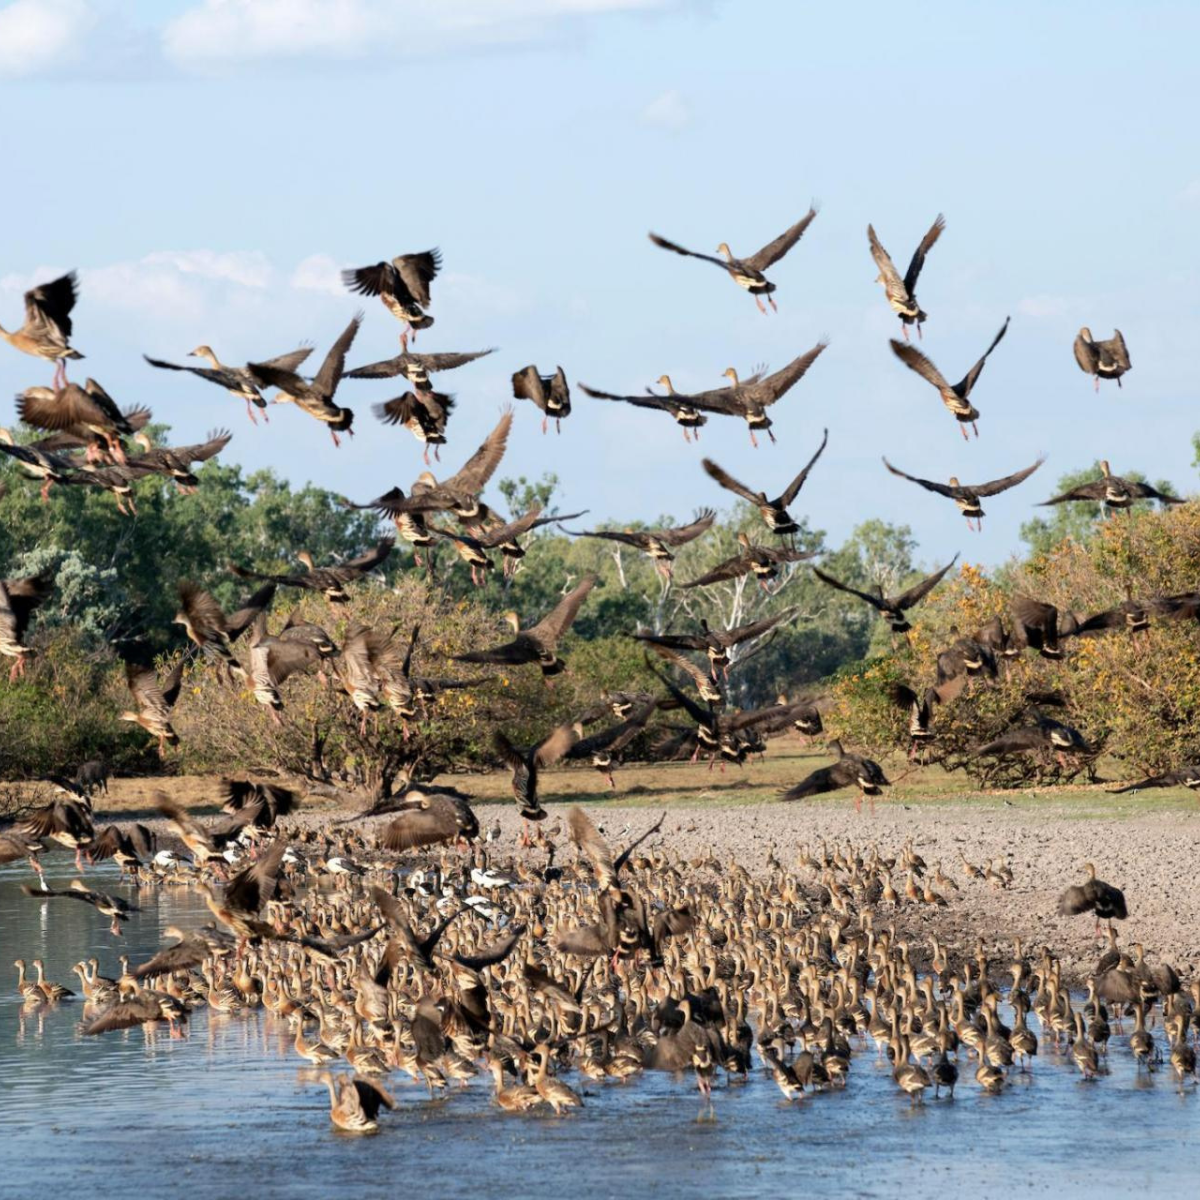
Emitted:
<point x="208" y="165"/>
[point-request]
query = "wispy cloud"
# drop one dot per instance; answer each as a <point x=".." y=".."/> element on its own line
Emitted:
<point x="216" y="34"/>
<point x="669" y="111"/>
<point x="36" y="35"/>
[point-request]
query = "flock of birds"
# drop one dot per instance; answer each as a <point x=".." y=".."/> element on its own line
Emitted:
<point x="407" y="958"/>
<point x="621" y="962"/>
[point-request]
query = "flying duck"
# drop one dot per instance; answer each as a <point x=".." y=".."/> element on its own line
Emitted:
<point x="657" y="543"/>
<point x="902" y="293"/>
<point x="539" y="643"/>
<point x="763" y="561"/>
<point x="316" y="397"/>
<point x="331" y="581"/>
<point x="1112" y="491"/>
<point x="892" y="608"/>
<point x="774" y="512"/>
<point x="1103" y="359"/>
<point x="748" y="272"/>
<point x="46" y="332"/>
<point x="241" y="382"/>
<point x="549" y="392"/>
<point x="956" y="397"/>
<point x="402" y="285"/>
<point x="968" y="495"/>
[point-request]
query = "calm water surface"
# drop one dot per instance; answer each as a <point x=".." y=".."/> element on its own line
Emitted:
<point x="227" y="1112"/>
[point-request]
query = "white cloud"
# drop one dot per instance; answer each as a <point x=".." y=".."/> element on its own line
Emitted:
<point x="318" y="273"/>
<point x="669" y="111"/>
<point x="221" y="33"/>
<point x="36" y="35"/>
<point x="178" y="284"/>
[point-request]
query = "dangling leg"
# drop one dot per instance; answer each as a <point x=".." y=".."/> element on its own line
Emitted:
<point x="250" y="412"/>
<point x="975" y="428"/>
<point x="336" y="440"/>
<point x="761" y="307"/>
<point x="753" y="440"/>
<point x="545" y="424"/>
<point x="426" y="455"/>
<point x="771" y="302"/>
<point x="963" y="430"/>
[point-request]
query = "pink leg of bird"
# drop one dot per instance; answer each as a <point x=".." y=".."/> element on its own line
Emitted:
<point x="275" y="717"/>
<point x="437" y="454"/>
<point x="963" y="430"/>
<point x="771" y="302"/>
<point x="904" y="330"/>
<point x="426" y="454"/>
<point x="79" y="858"/>
<point x="975" y="428"/>
<point x="45" y="490"/>
<point x="18" y="669"/>
<point x="753" y="440"/>
<point x="545" y="424"/>
<point x="336" y="440"/>
<point x="115" y="928"/>
<point x="858" y="804"/>
<point x="687" y="437"/>
<point x="250" y="413"/>
<point x="1096" y="384"/>
<point x="761" y="307"/>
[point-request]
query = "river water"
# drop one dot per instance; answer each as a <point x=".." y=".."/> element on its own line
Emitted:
<point x="228" y="1112"/>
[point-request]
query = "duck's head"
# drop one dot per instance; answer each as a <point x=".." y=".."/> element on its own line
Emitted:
<point x="513" y="620"/>
<point x="724" y="249"/>
<point x="307" y="559"/>
<point x="203" y="352"/>
<point x="1105" y="467"/>
<point x="665" y="381"/>
<point x="142" y="438"/>
<point x="731" y="374"/>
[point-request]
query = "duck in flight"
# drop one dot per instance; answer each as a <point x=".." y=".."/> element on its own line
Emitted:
<point x="748" y="272"/>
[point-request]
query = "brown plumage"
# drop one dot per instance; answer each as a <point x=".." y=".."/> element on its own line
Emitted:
<point x="330" y="581"/>
<point x="747" y="272"/>
<point x="968" y="495"/>
<point x="902" y="293"/>
<point x="1102" y="358"/>
<point x="657" y="543"/>
<point x="206" y="623"/>
<point x="539" y="643"/>
<point x="763" y="561"/>
<point x="154" y="701"/>
<point x="955" y="397"/>
<point x="892" y="608"/>
<point x="1094" y="895"/>
<point x="430" y="819"/>
<point x="46" y="331"/>
<point x="1112" y="491"/>
<point x="774" y="512"/>
<point x="73" y="408"/>
<point x="19" y="598"/>
<point x="315" y="396"/>
<point x="849" y="770"/>
<point x="402" y="285"/>
<point x="549" y="392"/>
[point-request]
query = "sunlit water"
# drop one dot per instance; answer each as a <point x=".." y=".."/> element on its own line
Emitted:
<point x="228" y="1112"/>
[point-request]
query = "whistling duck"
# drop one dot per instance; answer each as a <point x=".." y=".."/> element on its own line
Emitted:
<point x="747" y="272"/>
<point x="402" y="285"/>
<point x="1105" y="358"/>
<point x="242" y="382"/>
<point x="892" y="608"/>
<point x="46" y="332"/>
<point x="1113" y="492"/>
<point x="967" y="495"/>
<point x="316" y="397"/>
<point x="902" y="293"/>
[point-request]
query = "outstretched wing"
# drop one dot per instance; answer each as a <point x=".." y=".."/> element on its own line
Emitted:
<point x="663" y="244"/>
<point x="996" y="486"/>
<point x="919" y="591"/>
<point x="556" y="622"/>
<point x="730" y="484"/>
<point x="773" y="251"/>
<point x="874" y="601"/>
<point x="968" y="381"/>
<point x="931" y="485"/>
<point x="480" y="467"/>
<point x="914" y="360"/>
<point x="793" y="489"/>
<point x="918" y="258"/>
